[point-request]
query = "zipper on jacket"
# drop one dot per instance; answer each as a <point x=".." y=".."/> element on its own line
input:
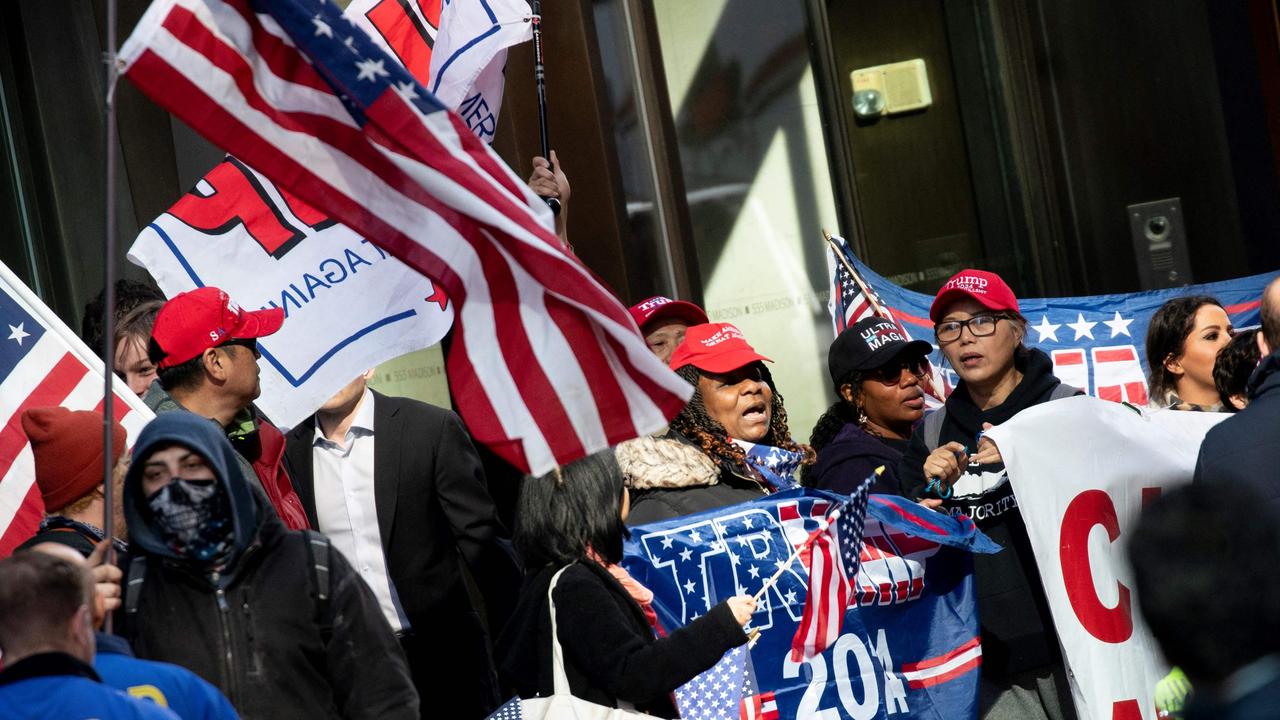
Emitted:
<point x="228" y="656"/>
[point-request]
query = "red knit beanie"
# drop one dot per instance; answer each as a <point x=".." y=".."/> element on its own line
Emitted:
<point x="68" y="450"/>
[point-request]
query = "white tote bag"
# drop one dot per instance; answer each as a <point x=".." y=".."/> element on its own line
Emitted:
<point x="562" y="705"/>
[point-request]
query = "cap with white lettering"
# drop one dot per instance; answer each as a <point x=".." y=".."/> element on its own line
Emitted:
<point x="987" y="288"/>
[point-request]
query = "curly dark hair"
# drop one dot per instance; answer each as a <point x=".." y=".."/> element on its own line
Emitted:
<point x="1167" y="336"/>
<point x="1235" y="363"/>
<point x="694" y="423"/>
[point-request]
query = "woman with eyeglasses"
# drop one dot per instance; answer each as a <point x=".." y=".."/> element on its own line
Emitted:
<point x="1183" y="341"/>
<point x="876" y="370"/>
<point x="949" y="463"/>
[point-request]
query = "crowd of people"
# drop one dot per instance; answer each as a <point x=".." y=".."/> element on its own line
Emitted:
<point x="357" y="566"/>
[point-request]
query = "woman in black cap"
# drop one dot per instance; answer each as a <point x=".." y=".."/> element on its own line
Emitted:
<point x="876" y="370"/>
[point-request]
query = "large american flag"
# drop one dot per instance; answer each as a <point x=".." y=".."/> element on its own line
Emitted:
<point x="545" y="364"/>
<point x="833" y="572"/>
<point x="42" y="363"/>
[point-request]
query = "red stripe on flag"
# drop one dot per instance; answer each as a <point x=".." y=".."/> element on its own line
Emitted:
<point x="1069" y="358"/>
<point x="942" y="659"/>
<point x="900" y="316"/>
<point x="397" y="28"/>
<point x="1242" y="307"/>
<point x="948" y="676"/>
<point x="595" y="367"/>
<point x="25" y="522"/>
<point x="909" y="518"/>
<point x="1114" y="355"/>
<point x="52" y="390"/>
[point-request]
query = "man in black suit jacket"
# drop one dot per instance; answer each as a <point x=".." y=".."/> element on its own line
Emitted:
<point x="430" y="504"/>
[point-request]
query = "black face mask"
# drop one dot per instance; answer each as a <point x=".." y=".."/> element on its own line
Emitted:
<point x="194" y="519"/>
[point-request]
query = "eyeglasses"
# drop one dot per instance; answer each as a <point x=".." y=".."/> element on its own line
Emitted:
<point x="979" y="326"/>
<point x="250" y="343"/>
<point x="891" y="373"/>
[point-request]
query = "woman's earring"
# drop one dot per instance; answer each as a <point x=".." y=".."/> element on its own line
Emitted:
<point x="862" y="415"/>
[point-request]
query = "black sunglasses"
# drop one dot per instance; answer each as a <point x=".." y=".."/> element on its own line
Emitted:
<point x="891" y="373"/>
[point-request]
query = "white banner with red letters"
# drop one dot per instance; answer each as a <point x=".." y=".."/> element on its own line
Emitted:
<point x="1082" y="468"/>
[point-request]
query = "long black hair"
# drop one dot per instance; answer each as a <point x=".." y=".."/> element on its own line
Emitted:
<point x="1166" y="337"/>
<point x="694" y="423"/>
<point x="572" y="510"/>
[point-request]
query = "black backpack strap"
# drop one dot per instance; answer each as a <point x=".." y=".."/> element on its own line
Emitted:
<point x="319" y="552"/>
<point x="1063" y="390"/>
<point x="136" y="576"/>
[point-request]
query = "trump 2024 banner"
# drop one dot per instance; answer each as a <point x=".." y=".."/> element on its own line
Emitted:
<point x="910" y="649"/>
<point x="348" y="304"/>
<point x="1097" y="342"/>
<point x="1078" y="506"/>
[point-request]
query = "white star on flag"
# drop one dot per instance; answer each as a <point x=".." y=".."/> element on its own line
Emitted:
<point x="1118" y="325"/>
<point x="754" y="570"/>
<point x="1083" y="329"/>
<point x="666" y="543"/>
<point x="685" y="554"/>
<point x="1046" y="329"/>
<point x="371" y="69"/>
<point x="18" y="333"/>
<point x="406" y="91"/>
<point x="322" y="27"/>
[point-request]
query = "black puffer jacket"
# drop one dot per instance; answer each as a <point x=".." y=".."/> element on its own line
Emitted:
<point x="610" y="653"/>
<point x="1017" y="630"/>
<point x="255" y="629"/>
<point x="851" y="456"/>
<point x="671" y="477"/>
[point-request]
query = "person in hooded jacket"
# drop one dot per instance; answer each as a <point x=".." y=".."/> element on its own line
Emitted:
<point x="877" y="371"/>
<point x="950" y="464"/>
<point x="276" y="619"/>
<point x="735" y="418"/>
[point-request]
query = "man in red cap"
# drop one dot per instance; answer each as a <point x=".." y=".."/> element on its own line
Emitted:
<point x="67" y="446"/>
<point x="663" y="321"/>
<point x="205" y="348"/>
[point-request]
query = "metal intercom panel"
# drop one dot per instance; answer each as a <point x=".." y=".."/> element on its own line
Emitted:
<point x="1160" y="244"/>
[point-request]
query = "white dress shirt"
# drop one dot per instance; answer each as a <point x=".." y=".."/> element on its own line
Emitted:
<point x="346" y="509"/>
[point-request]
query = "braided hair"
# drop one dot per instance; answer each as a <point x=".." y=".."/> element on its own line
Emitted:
<point x="841" y="413"/>
<point x="694" y="423"/>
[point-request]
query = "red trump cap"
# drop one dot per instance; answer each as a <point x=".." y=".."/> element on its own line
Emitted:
<point x="987" y="288"/>
<point x="194" y="321"/>
<point x="657" y="308"/>
<point x="714" y="347"/>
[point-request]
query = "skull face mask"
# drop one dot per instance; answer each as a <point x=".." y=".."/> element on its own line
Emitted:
<point x="194" y="518"/>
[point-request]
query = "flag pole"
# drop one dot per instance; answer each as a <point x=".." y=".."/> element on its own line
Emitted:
<point x="109" y="291"/>
<point x="540" y="79"/>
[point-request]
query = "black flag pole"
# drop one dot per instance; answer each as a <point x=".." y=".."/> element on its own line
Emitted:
<point x="109" y="292"/>
<point x="540" y="78"/>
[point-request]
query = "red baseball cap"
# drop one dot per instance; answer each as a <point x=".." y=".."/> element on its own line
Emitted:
<point x="664" y="308"/>
<point x="986" y="287"/>
<point x="192" y="322"/>
<point x="714" y="347"/>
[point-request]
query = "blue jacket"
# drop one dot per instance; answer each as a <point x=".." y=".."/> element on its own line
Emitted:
<point x="171" y="686"/>
<point x="1243" y="449"/>
<point x="57" y="685"/>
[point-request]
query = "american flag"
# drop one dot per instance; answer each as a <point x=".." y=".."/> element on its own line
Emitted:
<point x="759" y="707"/>
<point x="833" y="573"/>
<point x="545" y="364"/>
<point x="848" y="303"/>
<point x="510" y="710"/>
<point x="42" y="363"/>
<point x="716" y="693"/>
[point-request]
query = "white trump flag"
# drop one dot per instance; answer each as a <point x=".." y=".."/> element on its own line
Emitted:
<point x="1082" y="468"/>
<point x="348" y="305"/>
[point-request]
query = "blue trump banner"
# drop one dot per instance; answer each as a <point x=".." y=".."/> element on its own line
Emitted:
<point x="1097" y="342"/>
<point x="909" y="648"/>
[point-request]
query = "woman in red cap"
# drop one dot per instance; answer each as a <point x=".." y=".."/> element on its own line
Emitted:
<point x="980" y="331"/>
<point x="735" y="419"/>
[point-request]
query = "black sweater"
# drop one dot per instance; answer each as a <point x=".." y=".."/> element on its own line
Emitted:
<point x="610" y="652"/>
<point x="1017" y="630"/>
<point x="851" y="456"/>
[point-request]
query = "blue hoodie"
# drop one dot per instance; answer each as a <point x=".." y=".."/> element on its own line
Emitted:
<point x="205" y="437"/>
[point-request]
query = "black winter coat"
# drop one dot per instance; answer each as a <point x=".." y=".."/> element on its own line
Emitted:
<point x="610" y="652"/>
<point x="255" y="629"/>
<point x="1017" y="629"/>
<point x="1245" y="448"/>
<point x="679" y="495"/>
<point x="851" y="456"/>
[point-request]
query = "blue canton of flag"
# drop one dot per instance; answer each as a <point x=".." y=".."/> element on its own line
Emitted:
<point x="22" y="331"/>
<point x="509" y="710"/>
<point x="848" y="304"/>
<point x="716" y="693"/>
<point x="776" y="465"/>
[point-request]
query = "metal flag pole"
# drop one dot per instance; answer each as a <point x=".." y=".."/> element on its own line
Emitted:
<point x="109" y="292"/>
<point x="540" y="79"/>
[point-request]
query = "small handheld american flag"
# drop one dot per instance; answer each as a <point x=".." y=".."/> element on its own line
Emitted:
<point x="833" y="570"/>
